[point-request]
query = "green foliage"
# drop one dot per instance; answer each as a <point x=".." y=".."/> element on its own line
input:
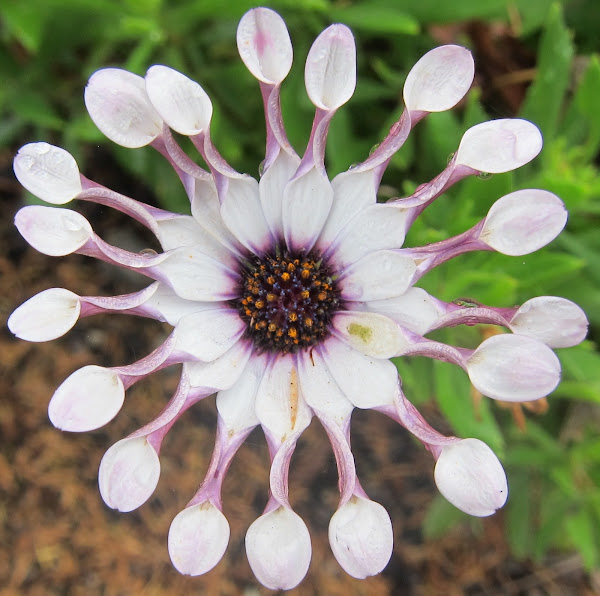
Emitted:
<point x="49" y="48"/>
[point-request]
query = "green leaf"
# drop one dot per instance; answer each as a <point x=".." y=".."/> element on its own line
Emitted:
<point x="518" y="514"/>
<point x="379" y="18"/>
<point x="440" y="518"/>
<point x="580" y="528"/>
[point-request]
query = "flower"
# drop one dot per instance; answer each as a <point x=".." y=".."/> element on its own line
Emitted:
<point x="289" y="295"/>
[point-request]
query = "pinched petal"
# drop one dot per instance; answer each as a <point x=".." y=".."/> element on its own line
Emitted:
<point x="181" y="102"/>
<point x="119" y="106"/>
<point x="45" y="316"/>
<point x="242" y="214"/>
<point x="165" y="305"/>
<point x="208" y="334"/>
<point x="499" y="145"/>
<point x="306" y="204"/>
<point x="198" y="537"/>
<point x="278" y="549"/>
<point x="280" y="406"/>
<point x="128" y="474"/>
<point x="523" y="221"/>
<point x="513" y="368"/>
<point x="471" y="477"/>
<point x="48" y="172"/>
<point x="379" y="227"/>
<point x="88" y="399"/>
<point x="330" y="73"/>
<point x="378" y="275"/>
<point x="439" y="80"/>
<point x="361" y="537"/>
<point x="53" y="231"/>
<point x="371" y="334"/>
<point x="264" y="45"/>
<point x="366" y="382"/>
<point x="556" y="322"/>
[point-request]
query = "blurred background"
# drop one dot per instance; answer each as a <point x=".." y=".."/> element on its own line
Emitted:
<point x="536" y="59"/>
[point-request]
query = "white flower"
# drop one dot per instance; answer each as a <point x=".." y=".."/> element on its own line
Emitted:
<point x="287" y="296"/>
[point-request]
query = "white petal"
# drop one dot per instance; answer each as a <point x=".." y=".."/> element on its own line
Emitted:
<point x="53" y="231"/>
<point x="377" y="227"/>
<point x="306" y="204"/>
<point x="221" y="373"/>
<point x="194" y="275"/>
<point x="47" y="315"/>
<point x="119" y="106"/>
<point x="330" y="73"/>
<point x="378" y="275"/>
<point x="242" y="214"/>
<point x="439" y="80"/>
<point x="264" y="45"/>
<point x="48" y="172"/>
<point x="181" y="102"/>
<point x="206" y="335"/>
<point x="278" y="549"/>
<point x="88" y="399"/>
<point x="514" y="368"/>
<point x="198" y="537"/>
<point x="556" y="322"/>
<point x="352" y="192"/>
<point x="414" y="310"/>
<point x="129" y="473"/>
<point x="361" y="537"/>
<point x="271" y="188"/>
<point x="166" y="306"/>
<point x="471" y="477"/>
<point x="236" y="406"/>
<point x="499" y="145"/>
<point x="523" y="221"/>
<point x="371" y="334"/>
<point x="280" y="406"/>
<point x="366" y="382"/>
<point x="320" y="390"/>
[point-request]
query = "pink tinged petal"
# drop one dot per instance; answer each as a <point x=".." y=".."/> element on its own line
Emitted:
<point x="513" y="368"/>
<point x="181" y="102"/>
<point x="271" y="188"/>
<point x="471" y="477"/>
<point x="236" y="406"/>
<point x="45" y="316"/>
<point x="119" y="106"/>
<point x="378" y="227"/>
<point x="439" y="80"/>
<point x="352" y="192"/>
<point x="366" y="382"/>
<point x="280" y="406"/>
<point x="523" y="221"/>
<point x="88" y="399"/>
<point x="242" y="214"/>
<point x="165" y="305"/>
<point x="206" y="335"/>
<point x="322" y="394"/>
<point x="223" y="372"/>
<point x="499" y="145"/>
<point x="278" y="549"/>
<point x="128" y="474"/>
<point x="194" y="275"/>
<point x="48" y="172"/>
<point x="53" y="231"/>
<point x="198" y="538"/>
<point x="371" y="334"/>
<point x="415" y="310"/>
<point x="264" y="45"/>
<point x="378" y="275"/>
<point x="556" y="322"/>
<point x="330" y="72"/>
<point x="306" y="204"/>
<point x="361" y="537"/>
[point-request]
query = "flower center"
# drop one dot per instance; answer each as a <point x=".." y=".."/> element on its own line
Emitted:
<point x="286" y="300"/>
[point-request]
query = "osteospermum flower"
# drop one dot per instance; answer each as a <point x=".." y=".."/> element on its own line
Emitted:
<point x="289" y="295"/>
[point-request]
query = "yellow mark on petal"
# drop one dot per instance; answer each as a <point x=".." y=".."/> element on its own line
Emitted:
<point x="293" y="396"/>
<point x="365" y="334"/>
